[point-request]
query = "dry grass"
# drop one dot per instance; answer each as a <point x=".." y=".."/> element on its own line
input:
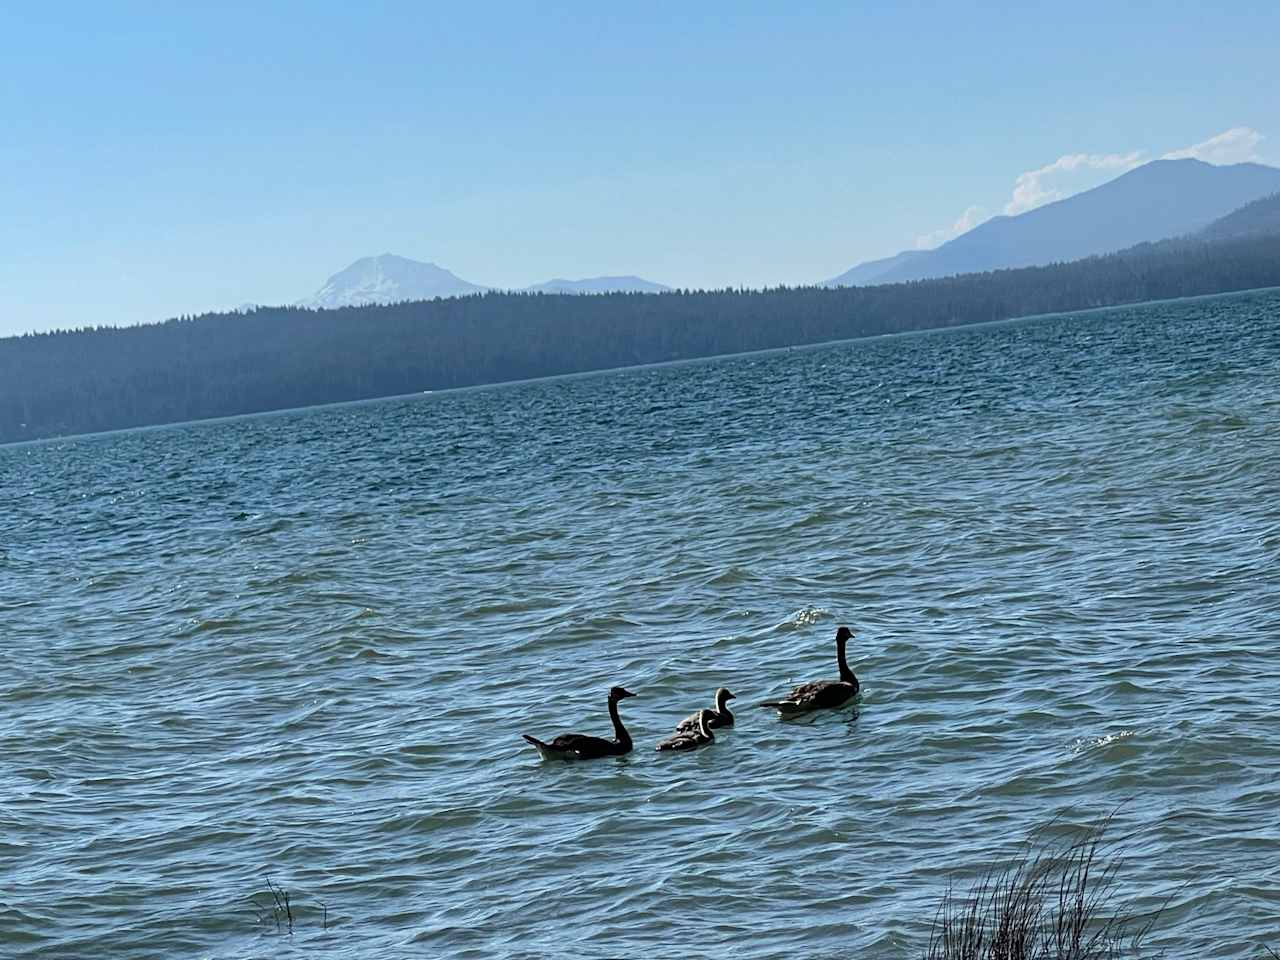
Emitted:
<point x="1056" y="901"/>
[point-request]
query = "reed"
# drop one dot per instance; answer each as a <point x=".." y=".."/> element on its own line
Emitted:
<point x="279" y="909"/>
<point x="1054" y="901"/>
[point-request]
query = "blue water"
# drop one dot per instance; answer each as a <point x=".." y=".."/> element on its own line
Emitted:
<point x="304" y="647"/>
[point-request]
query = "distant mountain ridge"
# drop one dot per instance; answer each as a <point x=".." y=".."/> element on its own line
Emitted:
<point x="1156" y="201"/>
<point x="865" y="274"/>
<point x="599" y="285"/>
<point x="392" y="279"/>
<point x="1259" y="218"/>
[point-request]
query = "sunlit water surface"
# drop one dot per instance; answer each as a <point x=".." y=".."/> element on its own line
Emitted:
<point x="304" y="647"/>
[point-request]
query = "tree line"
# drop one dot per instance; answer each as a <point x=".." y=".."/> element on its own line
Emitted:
<point x="222" y="364"/>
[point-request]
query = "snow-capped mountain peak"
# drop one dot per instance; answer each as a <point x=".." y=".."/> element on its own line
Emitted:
<point x="389" y="279"/>
<point x="392" y="279"/>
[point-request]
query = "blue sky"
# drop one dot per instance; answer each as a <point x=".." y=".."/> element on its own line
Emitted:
<point x="156" y="162"/>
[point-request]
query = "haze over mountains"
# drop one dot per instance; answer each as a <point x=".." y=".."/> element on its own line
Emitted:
<point x="392" y="279"/>
<point x="1156" y="201"/>
<point x="413" y="333"/>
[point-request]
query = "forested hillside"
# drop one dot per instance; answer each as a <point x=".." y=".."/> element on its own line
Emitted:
<point x="272" y="358"/>
<point x="1254" y="219"/>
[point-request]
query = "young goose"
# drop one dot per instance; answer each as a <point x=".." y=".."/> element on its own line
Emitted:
<point x="821" y="694"/>
<point x="693" y="740"/>
<point x="720" y="716"/>
<point x="579" y="746"/>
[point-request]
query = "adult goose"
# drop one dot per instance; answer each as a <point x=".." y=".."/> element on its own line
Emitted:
<point x="821" y="694"/>
<point x="693" y="739"/>
<point x="579" y="746"/>
<point x="720" y="716"/>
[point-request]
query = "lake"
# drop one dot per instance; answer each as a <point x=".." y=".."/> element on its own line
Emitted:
<point x="303" y="647"/>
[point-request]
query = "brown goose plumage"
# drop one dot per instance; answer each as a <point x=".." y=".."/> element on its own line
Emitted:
<point x="692" y="740"/>
<point x="720" y="716"/>
<point x="822" y="694"/>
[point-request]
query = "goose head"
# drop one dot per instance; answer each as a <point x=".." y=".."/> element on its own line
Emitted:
<point x="619" y="693"/>
<point x="723" y="696"/>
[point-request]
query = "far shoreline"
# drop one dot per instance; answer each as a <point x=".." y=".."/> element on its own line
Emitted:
<point x="601" y="371"/>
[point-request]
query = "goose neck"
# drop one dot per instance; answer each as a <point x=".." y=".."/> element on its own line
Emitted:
<point x="620" y="732"/>
<point x="845" y="673"/>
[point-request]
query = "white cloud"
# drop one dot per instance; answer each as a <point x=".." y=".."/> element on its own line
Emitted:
<point x="1074" y="172"/>
<point x="1067" y="175"/>
<point x="968" y="220"/>
<point x="1237" y="145"/>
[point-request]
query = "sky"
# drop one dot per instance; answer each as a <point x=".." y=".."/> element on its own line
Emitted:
<point x="157" y="162"/>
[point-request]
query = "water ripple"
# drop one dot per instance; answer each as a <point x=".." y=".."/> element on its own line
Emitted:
<point x="303" y="647"/>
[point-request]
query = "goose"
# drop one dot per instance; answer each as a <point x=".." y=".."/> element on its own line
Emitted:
<point x="720" y="716"/>
<point x="579" y="746"/>
<point x="821" y="694"/>
<point x="693" y="739"/>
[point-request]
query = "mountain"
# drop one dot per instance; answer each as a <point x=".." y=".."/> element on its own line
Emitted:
<point x="392" y="279"/>
<point x="389" y="279"/>
<point x="865" y="274"/>
<point x="599" y="285"/>
<point x="1253" y="219"/>
<point x="1158" y="200"/>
